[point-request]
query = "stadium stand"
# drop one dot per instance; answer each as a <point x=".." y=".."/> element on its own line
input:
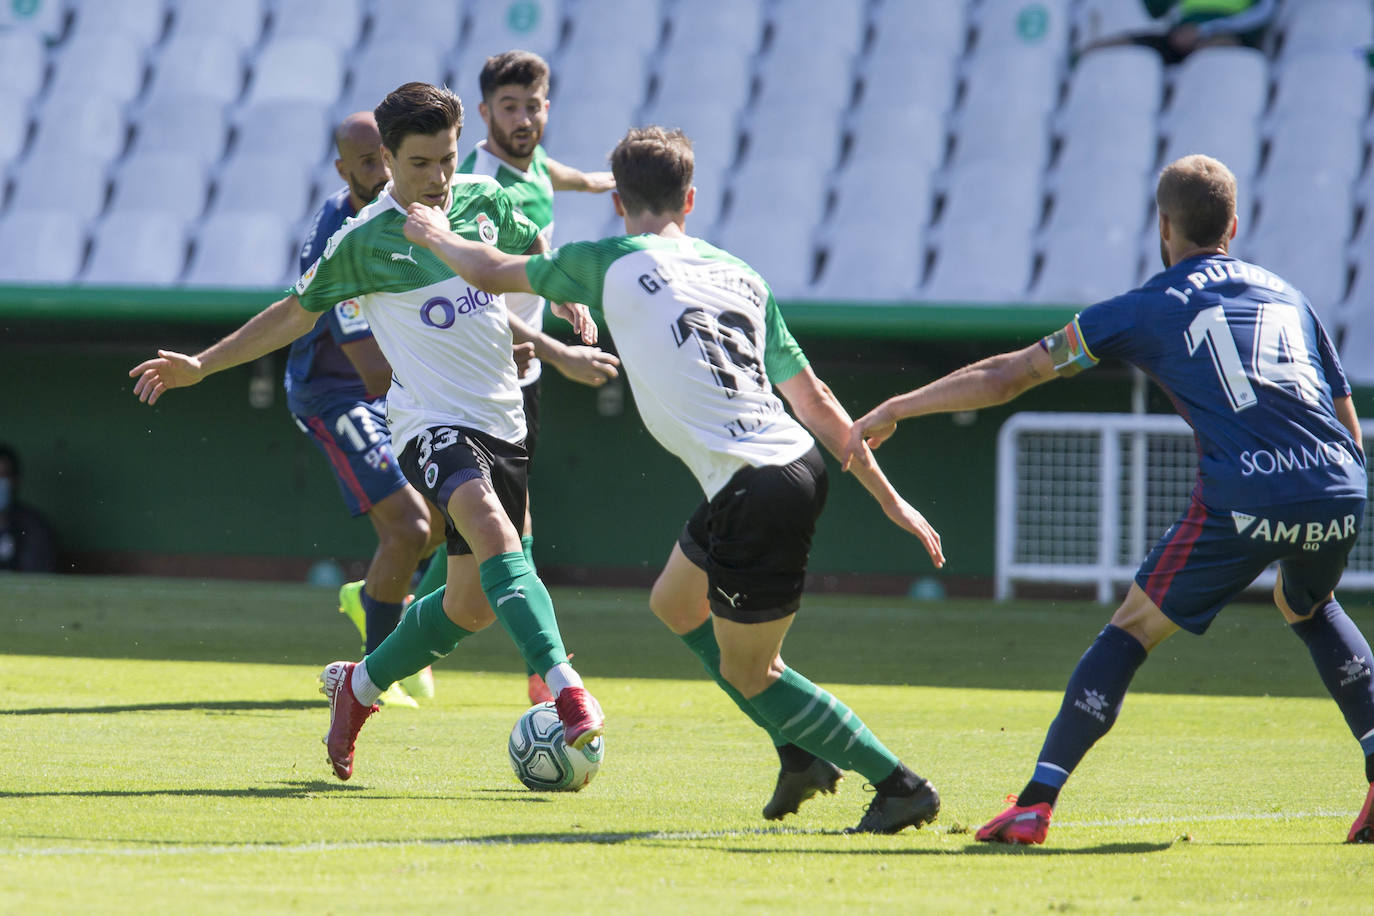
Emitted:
<point x="934" y="132"/>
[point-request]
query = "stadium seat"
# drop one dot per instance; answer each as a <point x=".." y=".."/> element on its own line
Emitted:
<point x="45" y="18"/>
<point x="1101" y="198"/>
<point x="999" y="198"/>
<point x="1238" y="75"/>
<point x="781" y="252"/>
<point x="1099" y="21"/>
<point x="1317" y="267"/>
<point x="82" y="179"/>
<point x="1332" y="82"/>
<point x="238" y="23"/>
<point x="1297" y="204"/>
<point x="25" y="62"/>
<point x="586" y="68"/>
<point x="583" y="129"/>
<point x="714" y="26"/>
<point x="804" y="30"/>
<point x="797" y="124"/>
<point x="778" y="187"/>
<point x="980" y="265"/>
<point x="875" y="202"/>
<point x="394" y="22"/>
<point x="263" y="183"/>
<point x="825" y="81"/>
<point x="141" y="20"/>
<point x="919" y="28"/>
<point x="681" y="80"/>
<point x="1357" y="316"/>
<point x="534" y="25"/>
<point x="14" y="128"/>
<point x="339" y="24"/>
<point x="114" y="63"/>
<point x="182" y="124"/>
<point x="580" y="216"/>
<point x="1010" y="79"/>
<point x="1111" y="80"/>
<point x="136" y="247"/>
<point x="1022" y="23"/>
<point x="290" y="69"/>
<point x="1327" y="25"/>
<point x="198" y="64"/>
<point x="927" y="80"/>
<point x="1083" y="264"/>
<point x="879" y="128"/>
<point x="298" y="129"/>
<point x="89" y="126"/>
<point x="162" y="181"/>
<point x="1119" y="140"/>
<point x="861" y="267"/>
<point x="1231" y="136"/>
<point x="382" y="65"/>
<point x="712" y="129"/>
<point x="41" y="244"/>
<point x="241" y="250"/>
<point x="1315" y="146"/>
<point x="613" y="27"/>
<point x="1017" y="133"/>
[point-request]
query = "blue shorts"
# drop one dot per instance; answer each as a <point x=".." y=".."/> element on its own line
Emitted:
<point x="1209" y="557"/>
<point x="356" y="440"/>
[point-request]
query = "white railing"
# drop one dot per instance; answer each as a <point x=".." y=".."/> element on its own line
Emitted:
<point x="1081" y="498"/>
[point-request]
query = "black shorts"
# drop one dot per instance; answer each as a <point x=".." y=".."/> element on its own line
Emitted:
<point x="753" y="538"/>
<point x="442" y="458"/>
<point x="530" y="393"/>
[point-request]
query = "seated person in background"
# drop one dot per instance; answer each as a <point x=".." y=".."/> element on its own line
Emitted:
<point x="26" y="541"/>
<point x="1194" y="24"/>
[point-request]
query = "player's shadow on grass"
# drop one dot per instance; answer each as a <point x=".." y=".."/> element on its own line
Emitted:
<point x="300" y="789"/>
<point x="973" y="849"/>
<point x="230" y="707"/>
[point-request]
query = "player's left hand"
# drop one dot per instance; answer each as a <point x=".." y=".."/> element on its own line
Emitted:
<point x="905" y="516"/>
<point x="424" y="223"/>
<point x="523" y="353"/>
<point x="588" y="366"/>
<point x="873" y="428"/>
<point x="579" y="316"/>
<point x="169" y="370"/>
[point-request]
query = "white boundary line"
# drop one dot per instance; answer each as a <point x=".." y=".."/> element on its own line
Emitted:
<point x="609" y="839"/>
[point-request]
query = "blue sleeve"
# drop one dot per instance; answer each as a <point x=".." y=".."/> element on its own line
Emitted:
<point x="346" y="322"/>
<point x="1109" y="327"/>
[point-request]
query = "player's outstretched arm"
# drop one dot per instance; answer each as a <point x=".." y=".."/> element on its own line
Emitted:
<point x="566" y="178"/>
<point x="817" y="408"/>
<point x="585" y="365"/>
<point x="272" y="328"/>
<point x="987" y="383"/>
<point x="484" y="266"/>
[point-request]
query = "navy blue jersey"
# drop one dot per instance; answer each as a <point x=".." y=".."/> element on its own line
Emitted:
<point x="318" y="375"/>
<point x="1248" y="364"/>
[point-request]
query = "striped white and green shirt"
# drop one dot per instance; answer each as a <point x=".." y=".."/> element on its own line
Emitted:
<point x="449" y="344"/>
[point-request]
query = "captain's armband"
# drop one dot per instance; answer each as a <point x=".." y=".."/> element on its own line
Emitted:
<point x="1068" y="351"/>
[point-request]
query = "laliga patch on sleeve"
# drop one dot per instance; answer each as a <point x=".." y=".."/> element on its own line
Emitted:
<point x="350" y="315"/>
<point x="304" y="282"/>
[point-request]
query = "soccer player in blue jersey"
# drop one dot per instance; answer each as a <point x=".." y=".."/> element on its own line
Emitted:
<point x="336" y="382"/>
<point x="1281" y="469"/>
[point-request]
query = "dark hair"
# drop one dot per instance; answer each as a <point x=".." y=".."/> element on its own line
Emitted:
<point x="1198" y="194"/>
<point x="653" y="170"/>
<point x="417" y="108"/>
<point x="9" y="454"/>
<point x="519" y="68"/>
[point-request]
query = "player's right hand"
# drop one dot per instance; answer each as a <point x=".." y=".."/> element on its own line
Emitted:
<point x="169" y="370"/>
<point x="905" y="516"/>
<point x="873" y="428"/>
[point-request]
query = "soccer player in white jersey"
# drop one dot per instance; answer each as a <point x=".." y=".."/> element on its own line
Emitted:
<point x="454" y="403"/>
<point x="703" y="343"/>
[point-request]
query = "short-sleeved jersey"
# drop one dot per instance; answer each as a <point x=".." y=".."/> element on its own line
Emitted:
<point x="701" y="339"/>
<point x="1248" y="364"/>
<point x="318" y="375"/>
<point x="449" y="345"/>
<point x="531" y="190"/>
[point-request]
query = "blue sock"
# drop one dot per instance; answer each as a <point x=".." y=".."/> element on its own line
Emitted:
<point x="1342" y="656"/>
<point x="382" y="618"/>
<point x="1091" y="703"/>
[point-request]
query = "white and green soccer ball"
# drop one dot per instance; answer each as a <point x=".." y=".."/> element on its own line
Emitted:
<point x="543" y="761"/>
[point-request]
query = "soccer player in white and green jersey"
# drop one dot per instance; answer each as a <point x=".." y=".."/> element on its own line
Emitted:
<point x="703" y="343"/>
<point x="515" y="109"/>
<point x="454" y="404"/>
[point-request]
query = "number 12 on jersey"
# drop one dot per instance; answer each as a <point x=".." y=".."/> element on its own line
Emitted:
<point x="1279" y="356"/>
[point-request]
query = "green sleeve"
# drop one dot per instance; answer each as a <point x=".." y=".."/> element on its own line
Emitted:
<point x="338" y="275"/>
<point x="516" y="231"/>
<point x="575" y="272"/>
<point x="782" y="355"/>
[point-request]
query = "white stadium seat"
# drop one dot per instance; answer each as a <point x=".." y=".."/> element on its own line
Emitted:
<point x="1327" y="25"/>
<point x="782" y="188"/>
<point x="1296" y="204"/>
<point x="339" y="22"/>
<point x="241" y="249"/>
<point x="824" y="81"/>
<point x="297" y="70"/>
<point x="1315" y="146"/>
<point x="816" y="29"/>
<point x="1107" y="20"/>
<point x="89" y="126"/>
<point x="613" y="26"/>
<point x="394" y="22"/>
<point x="1333" y="82"/>
<point x="927" y="81"/>
<point x="1007" y="79"/>
<point x="140" y="20"/>
<point x="41" y="244"/>
<point x="1317" y="267"/>
<point x="916" y="132"/>
<point x="584" y="129"/>
<point x="263" y="183"/>
<point x="884" y="202"/>
<point x="170" y="182"/>
<point x="137" y="247"/>
<point x="198" y="64"/>
<point x="183" y="124"/>
<point x="998" y="198"/>
<point x="618" y="74"/>
<point x="82" y="179"/>
<point x="581" y="216"/>
<point x="383" y="65"/>
<point x="715" y="26"/>
<point x="1104" y="199"/>
<point x="499" y="25"/>
<point x="236" y="22"/>
<point x="1020" y="134"/>
<point x="682" y="80"/>
<point x="973" y="266"/>
<point x="299" y="129"/>
<point x="1108" y="80"/>
<point x="14" y="127"/>
<point x="1231" y="136"/>
<point x="1084" y="264"/>
<point x="25" y="62"/>
<point x="1023" y="23"/>
<point x="1123" y="139"/>
<point x="861" y="267"/>
<point x="781" y="252"/>
<point x="1219" y="83"/>
<point x="112" y="63"/>
<point x="919" y="28"/>
<point x="796" y="124"/>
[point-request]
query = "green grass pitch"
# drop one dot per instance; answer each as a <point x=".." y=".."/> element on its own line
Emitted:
<point x="160" y="752"/>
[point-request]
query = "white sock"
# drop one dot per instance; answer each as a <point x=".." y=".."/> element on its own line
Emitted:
<point x="363" y="688"/>
<point x="561" y="676"/>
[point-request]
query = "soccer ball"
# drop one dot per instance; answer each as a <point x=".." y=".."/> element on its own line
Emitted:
<point x="541" y="759"/>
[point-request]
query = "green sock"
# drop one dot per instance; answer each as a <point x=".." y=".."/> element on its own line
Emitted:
<point x="527" y="547"/>
<point x="814" y="719"/>
<point x="424" y="634"/>
<point x="702" y="642"/>
<point x="523" y="606"/>
<point x="435" y="575"/>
